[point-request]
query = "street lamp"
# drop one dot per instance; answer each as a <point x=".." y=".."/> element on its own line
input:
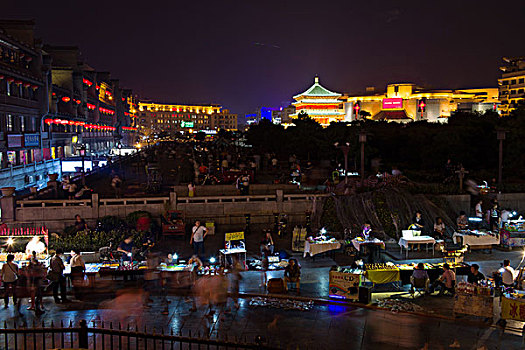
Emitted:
<point x="500" y="134"/>
<point x="345" y="148"/>
<point x="362" y="141"/>
<point x="82" y="152"/>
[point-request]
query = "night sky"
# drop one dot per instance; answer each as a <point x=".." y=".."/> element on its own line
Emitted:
<point x="247" y="54"/>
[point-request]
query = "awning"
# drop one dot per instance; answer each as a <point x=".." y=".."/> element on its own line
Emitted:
<point x="397" y="115"/>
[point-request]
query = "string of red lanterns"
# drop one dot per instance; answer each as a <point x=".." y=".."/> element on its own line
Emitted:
<point x="19" y="82"/>
<point x="73" y="122"/>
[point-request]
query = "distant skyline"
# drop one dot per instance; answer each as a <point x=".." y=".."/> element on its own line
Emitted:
<point x="249" y="54"/>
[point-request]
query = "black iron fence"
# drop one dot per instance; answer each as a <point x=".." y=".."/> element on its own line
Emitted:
<point x="112" y="337"/>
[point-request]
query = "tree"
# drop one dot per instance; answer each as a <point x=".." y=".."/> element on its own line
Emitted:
<point x="364" y="114"/>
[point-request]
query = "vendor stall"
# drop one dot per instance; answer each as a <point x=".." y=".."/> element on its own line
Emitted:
<point x="234" y="246"/>
<point x="31" y="237"/>
<point x="409" y="240"/>
<point x="382" y="273"/>
<point x="474" y="300"/>
<point x="320" y="245"/>
<point x="476" y="239"/>
<point x="513" y="233"/>
<point x="513" y="306"/>
<point x="344" y="283"/>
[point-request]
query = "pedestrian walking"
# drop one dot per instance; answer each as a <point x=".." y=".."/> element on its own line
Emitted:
<point x="37" y="273"/>
<point x="9" y="274"/>
<point x="56" y="276"/>
<point x="78" y="269"/>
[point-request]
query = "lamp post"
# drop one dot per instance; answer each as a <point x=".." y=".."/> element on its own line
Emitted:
<point x="362" y="141"/>
<point x="345" y="148"/>
<point x="500" y="134"/>
<point x="82" y="152"/>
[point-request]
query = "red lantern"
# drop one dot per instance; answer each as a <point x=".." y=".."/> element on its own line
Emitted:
<point x="27" y="85"/>
<point x="66" y="99"/>
<point x="10" y="79"/>
<point x="1" y="77"/>
<point x="48" y="121"/>
<point x="34" y="87"/>
<point x="18" y="82"/>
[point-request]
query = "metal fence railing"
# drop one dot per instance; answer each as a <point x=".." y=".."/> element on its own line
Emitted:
<point x="110" y="337"/>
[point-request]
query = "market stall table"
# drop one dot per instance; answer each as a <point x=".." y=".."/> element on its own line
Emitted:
<point x="382" y="273"/>
<point x="513" y="234"/>
<point x="225" y="253"/>
<point x="344" y="283"/>
<point x="476" y="239"/>
<point x="513" y="306"/>
<point x="314" y="248"/>
<point x="363" y="243"/>
<point x="406" y="242"/>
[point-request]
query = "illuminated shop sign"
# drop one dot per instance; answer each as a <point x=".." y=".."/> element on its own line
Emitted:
<point x="392" y="103"/>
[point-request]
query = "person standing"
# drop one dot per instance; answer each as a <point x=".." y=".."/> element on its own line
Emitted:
<point x="36" y="273"/>
<point x="56" y="275"/>
<point x="417" y="221"/>
<point x="439" y="228"/>
<point x="9" y="274"/>
<point x="479" y="209"/>
<point x="494" y="217"/>
<point x="78" y="268"/>
<point x="197" y="237"/>
<point x="191" y="189"/>
<point x="116" y="183"/>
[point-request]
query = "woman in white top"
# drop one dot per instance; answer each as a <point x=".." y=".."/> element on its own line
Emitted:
<point x="439" y="229"/>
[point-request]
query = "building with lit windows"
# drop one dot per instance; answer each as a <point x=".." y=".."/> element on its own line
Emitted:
<point x="156" y="118"/>
<point x="51" y="103"/>
<point x="512" y="84"/>
<point x="407" y="102"/>
<point x="321" y="104"/>
<point x="24" y="74"/>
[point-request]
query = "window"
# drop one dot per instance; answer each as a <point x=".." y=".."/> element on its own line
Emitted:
<point x="521" y="80"/>
<point x="520" y="91"/>
<point x="513" y="81"/>
<point x="22" y="123"/>
<point x="9" y="125"/>
<point x="512" y="92"/>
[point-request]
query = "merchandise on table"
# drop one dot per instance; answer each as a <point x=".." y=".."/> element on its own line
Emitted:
<point x="358" y="242"/>
<point x="382" y="273"/>
<point x="274" y="263"/>
<point x="513" y="234"/>
<point x="475" y="238"/>
<point x="474" y="304"/>
<point x="412" y="266"/>
<point x="485" y="288"/>
<point x="320" y="245"/>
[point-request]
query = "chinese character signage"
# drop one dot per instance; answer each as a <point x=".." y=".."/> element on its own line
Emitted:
<point x="234" y="236"/>
<point x="392" y="103"/>
<point x="512" y="309"/>
<point x="32" y="140"/>
<point x="14" y="140"/>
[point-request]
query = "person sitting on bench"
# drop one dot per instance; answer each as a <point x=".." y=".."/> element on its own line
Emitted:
<point x="292" y="274"/>
<point x="446" y="281"/>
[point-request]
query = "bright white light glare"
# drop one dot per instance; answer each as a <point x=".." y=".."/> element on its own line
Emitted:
<point x="212" y="260"/>
<point x="323" y="231"/>
<point x="10" y="241"/>
<point x="475" y="219"/>
<point x="175" y="256"/>
<point x="129" y="254"/>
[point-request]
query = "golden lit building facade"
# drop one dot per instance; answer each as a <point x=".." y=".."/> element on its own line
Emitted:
<point x="158" y="117"/>
<point x="321" y="104"/>
<point x="512" y="84"/>
<point x="406" y="102"/>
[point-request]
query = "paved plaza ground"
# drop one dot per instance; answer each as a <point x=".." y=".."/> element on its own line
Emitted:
<point x="327" y="325"/>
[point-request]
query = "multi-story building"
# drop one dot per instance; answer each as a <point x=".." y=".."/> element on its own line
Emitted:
<point x="50" y="103"/>
<point x="24" y="81"/>
<point x="156" y="118"/>
<point x="406" y="102"/>
<point x="321" y="104"/>
<point x="512" y="84"/>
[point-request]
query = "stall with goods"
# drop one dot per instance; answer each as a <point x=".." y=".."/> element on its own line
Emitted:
<point x="476" y="239"/>
<point x="513" y="233"/>
<point x="412" y="239"/>
<point x="320" y="244"/>
<point x="234" y="246"/>
<point x="382" y="273"/>
<point x="22" y="242"/>
<point x="474" y="300"/>
<point x="344" y="283"/>
<point x="513" y="306"/>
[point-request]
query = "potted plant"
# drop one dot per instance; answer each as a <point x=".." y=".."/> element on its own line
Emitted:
<point x="8" y="191"/>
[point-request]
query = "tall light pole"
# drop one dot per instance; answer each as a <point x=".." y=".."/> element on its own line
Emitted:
<point x="345" y="148"/>
<point x="82" y="151"/>
<point x="362" y="141"/>
<point x="500" y="134"/>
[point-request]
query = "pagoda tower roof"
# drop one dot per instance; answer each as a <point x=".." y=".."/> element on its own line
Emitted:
<point x="317" y="90"/>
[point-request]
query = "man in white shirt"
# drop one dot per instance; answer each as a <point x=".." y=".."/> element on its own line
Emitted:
<point x="508" y="275"/>
<point x="197" y="237"/>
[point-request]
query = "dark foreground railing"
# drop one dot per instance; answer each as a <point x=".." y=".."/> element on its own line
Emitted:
<point x="111" y="338"/>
